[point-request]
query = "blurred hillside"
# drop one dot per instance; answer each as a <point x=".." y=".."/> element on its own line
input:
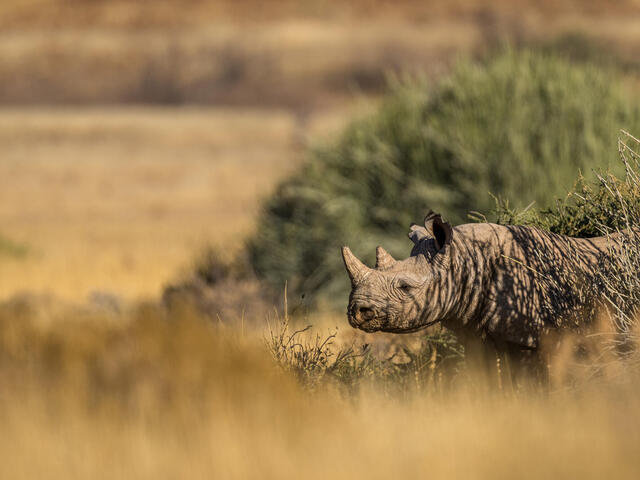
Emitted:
<point x="301" y="54"/>
<point x="163" y="13"/>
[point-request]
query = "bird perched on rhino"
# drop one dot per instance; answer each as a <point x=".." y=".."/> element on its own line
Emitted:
<point x="501" y="285"/>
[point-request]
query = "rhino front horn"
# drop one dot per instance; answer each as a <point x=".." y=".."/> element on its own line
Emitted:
<point x="355" y="268"/>
<point x="383" y="259"/>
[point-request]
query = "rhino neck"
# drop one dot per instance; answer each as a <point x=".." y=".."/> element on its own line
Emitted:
<point x="474" y="273"/>
<point x="466" y="278"/>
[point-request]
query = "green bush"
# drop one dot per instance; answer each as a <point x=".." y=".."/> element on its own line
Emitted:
<point x="590" y="209"/>
<point x="520" y="126"/>
<point x="602" y="207"/>
<point x="10" y="248"/>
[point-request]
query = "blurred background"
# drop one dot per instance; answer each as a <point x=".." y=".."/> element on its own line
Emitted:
<point x="136" y="134"/>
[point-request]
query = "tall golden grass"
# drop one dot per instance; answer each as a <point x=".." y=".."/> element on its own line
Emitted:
<point x="149" y="394"/>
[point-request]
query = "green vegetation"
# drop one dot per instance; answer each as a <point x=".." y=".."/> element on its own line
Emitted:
<point x="595" y="208"/>
<point x="607" y="205"/>
<point x="11" y="248"/>
<point x="518" y="126"/>
<point x="591" y="208"/>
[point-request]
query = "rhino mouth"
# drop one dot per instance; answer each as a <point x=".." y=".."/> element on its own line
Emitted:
<point x="382" y="323"/>
<point x="377" y="325"/>
<point x="367" y="323"/>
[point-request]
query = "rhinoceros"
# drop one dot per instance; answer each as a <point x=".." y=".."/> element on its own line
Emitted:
<point x="505" y="285"/>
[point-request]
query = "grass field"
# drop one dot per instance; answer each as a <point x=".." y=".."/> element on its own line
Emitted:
<point x="120" y="199"/>
<point x="145" y="396"/>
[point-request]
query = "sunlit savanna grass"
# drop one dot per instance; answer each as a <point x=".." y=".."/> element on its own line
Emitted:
<point x="147" y="395"/>
<point x="119" y="199"/>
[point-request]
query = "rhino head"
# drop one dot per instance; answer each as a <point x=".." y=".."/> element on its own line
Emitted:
<point x="403" y="296"/>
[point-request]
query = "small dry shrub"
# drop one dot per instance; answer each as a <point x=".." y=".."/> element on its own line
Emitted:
<point x="318" y="360"/>
<point x="222" y="288"/>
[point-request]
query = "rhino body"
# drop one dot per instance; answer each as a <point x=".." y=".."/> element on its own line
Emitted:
<point x="506" y="285"/>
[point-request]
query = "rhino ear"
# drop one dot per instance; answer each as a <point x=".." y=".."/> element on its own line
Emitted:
<point x="429" y="217"/>
<point x="441" y="231"/>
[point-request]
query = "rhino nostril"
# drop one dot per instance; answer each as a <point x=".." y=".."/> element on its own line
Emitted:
<point x="366" y="313"/>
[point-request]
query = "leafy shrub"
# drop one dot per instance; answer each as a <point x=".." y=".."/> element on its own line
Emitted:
<point x="520" y="126"/>
<point x="12" y="249"/>
<point x="596" y="208"/>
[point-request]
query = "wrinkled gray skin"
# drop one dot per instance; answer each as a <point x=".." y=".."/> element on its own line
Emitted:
<point x="506" y="285"/>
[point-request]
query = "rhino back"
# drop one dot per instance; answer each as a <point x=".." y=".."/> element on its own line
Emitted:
<point x="531" y="280"/>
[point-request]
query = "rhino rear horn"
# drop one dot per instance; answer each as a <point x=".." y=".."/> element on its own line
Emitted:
<point x="355" y="268"/>
<point x="383" y="259"/>
<point x="417" y="233"/>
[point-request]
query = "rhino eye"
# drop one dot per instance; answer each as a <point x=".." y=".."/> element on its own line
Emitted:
<point x="404" y="286"/>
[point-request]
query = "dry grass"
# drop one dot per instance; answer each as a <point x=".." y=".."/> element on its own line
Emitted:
<point x="172" y="13"/>
<point x="119" y="199"/>
<point x="150" y="396"/>
<point x="294" y="64"/>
